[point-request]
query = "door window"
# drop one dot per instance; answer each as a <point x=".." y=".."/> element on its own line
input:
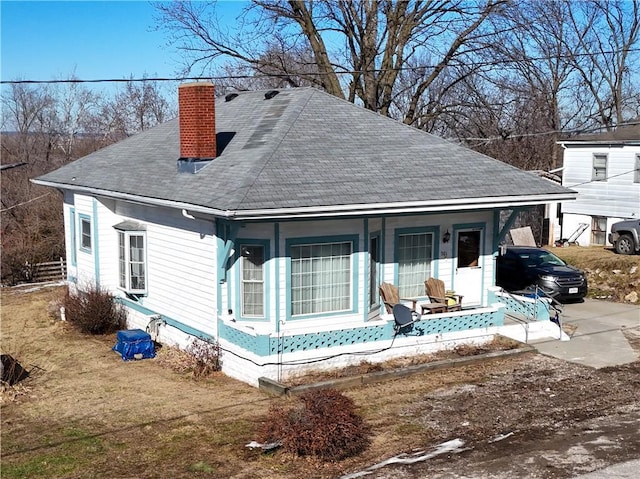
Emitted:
<point x="468" y="249"/>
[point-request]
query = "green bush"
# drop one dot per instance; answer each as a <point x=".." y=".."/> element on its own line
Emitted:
<point x="93" y="310"/>
<point x="324" y="424"/>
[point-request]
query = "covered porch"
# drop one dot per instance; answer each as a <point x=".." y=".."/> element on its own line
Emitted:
<point x="295" y="349"/>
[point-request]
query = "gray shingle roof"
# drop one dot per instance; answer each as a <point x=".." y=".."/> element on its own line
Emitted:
<point x="302" y="148"/>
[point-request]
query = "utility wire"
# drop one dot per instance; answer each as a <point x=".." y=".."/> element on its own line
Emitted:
<point x="604" y="179"/>
<point x="548" y="132"/>
<point x="285" y="75"/>
<point x="24" y="202"/>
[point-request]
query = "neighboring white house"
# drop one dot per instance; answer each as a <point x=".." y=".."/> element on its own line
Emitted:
<point x="267" y="221"/>
<point x="605" y="171"/>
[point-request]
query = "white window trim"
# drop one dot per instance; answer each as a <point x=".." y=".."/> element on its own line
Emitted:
<point x="595" y="169"/>
<point x="127" y="262"/>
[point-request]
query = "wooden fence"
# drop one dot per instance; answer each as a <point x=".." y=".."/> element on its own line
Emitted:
<point x="50" y="271"/>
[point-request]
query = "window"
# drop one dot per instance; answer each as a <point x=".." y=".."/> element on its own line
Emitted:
<point x="252" y="280"/>
<point x="132" y="263"/>
<point x="85" y="233"/>
<point x="598" y="230"/>
<point x="599" y="167"/>
<point x="415" y="253"/>
<point x="636" y="173"/>
<point x="321" y="277"/>
<point x="468" y="249"/>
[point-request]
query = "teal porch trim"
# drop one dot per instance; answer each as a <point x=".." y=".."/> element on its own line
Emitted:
<point x="499" y="234"/>
<point x="535" y="309"/>
<point x="72" y="237"/>
<point x="226" y="233"/>
<point x="268" y="345"/>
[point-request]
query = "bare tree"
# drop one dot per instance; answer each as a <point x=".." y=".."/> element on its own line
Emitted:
<point x="358" y="48"/>
<point x="135" y="107"/>
<point x="76" y="105"/>
<point x="607" y="32"/>
<point x="26" y="111"/>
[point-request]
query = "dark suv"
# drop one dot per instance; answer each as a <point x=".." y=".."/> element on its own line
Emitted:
<point x="523" y="266"/>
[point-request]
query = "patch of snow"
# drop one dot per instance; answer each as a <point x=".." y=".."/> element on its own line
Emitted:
<point x="453" y="446"/>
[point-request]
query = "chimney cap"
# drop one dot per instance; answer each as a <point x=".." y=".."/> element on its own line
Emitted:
<point x="195" y="83"/>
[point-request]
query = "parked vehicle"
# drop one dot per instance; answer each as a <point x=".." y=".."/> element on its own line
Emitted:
<point x="625" y="236"/>
<point x="520" y="267"/>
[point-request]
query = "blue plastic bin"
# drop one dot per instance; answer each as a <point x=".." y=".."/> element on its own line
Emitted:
<point x="134" y="344"/>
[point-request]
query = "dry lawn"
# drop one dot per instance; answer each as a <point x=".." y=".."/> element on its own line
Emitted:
<point x="84" y="413"/>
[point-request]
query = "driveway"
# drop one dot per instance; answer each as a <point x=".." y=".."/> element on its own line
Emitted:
<point x="602" y="334"/>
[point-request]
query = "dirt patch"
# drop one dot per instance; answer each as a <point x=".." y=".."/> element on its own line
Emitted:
<point x="84" y="412"/>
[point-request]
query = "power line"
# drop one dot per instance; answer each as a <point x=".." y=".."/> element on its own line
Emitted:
<point x="302" y="74"/>
<point x="24" y="202"/>
<point x="604" y="179"/>
<point x="576" y="131"/>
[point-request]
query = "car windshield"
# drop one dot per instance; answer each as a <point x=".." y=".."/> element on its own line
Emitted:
<point x="540" y="258"/>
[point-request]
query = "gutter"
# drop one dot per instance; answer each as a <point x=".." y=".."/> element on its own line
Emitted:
<point x="458" y="204"/>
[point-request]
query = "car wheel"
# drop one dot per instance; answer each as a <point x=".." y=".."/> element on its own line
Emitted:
<point x="624" y="245"/>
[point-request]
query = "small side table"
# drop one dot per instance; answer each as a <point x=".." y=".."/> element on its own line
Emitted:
<point x="433" y="308"/>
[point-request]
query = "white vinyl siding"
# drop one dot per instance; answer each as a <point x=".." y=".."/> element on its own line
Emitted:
<point x="321" y="278"/>
<point x="415" y="253"/>
<point x="617" y="197"/>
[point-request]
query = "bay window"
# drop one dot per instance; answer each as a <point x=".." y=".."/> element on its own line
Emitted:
<point x="132" y="263"/>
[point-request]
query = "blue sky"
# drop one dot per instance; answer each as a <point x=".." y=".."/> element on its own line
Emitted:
<point x="49" y="40"/>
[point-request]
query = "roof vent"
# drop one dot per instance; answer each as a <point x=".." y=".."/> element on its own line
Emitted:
<point x="230" y="96"/>
<point x="270" y="94"/>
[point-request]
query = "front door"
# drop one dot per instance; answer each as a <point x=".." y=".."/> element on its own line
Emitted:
<point x="467" y="259"/>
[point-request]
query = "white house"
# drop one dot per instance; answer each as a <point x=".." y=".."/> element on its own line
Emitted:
<point x="267" y="220"/>
<point x="605" y="171"/>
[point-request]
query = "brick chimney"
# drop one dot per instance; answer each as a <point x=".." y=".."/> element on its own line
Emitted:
<point x="196" y="106"/>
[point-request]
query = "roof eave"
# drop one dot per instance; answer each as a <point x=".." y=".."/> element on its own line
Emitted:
<point x="462" y="204"/>
<point x="459" y="204"/>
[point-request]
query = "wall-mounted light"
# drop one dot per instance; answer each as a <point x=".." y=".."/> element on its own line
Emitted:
<point x="446" y="237"/>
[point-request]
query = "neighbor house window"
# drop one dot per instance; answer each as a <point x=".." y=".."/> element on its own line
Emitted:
<point x="415" y="253"/>
<point x="636" y="173"/>
<point x="252" y="280"/>
<point x="132" y="263"/>
<point x="85" y="233"/>
<point x="599" y="167"/>
<point x="321" y="278"/>
<point x="598" y="230"/>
